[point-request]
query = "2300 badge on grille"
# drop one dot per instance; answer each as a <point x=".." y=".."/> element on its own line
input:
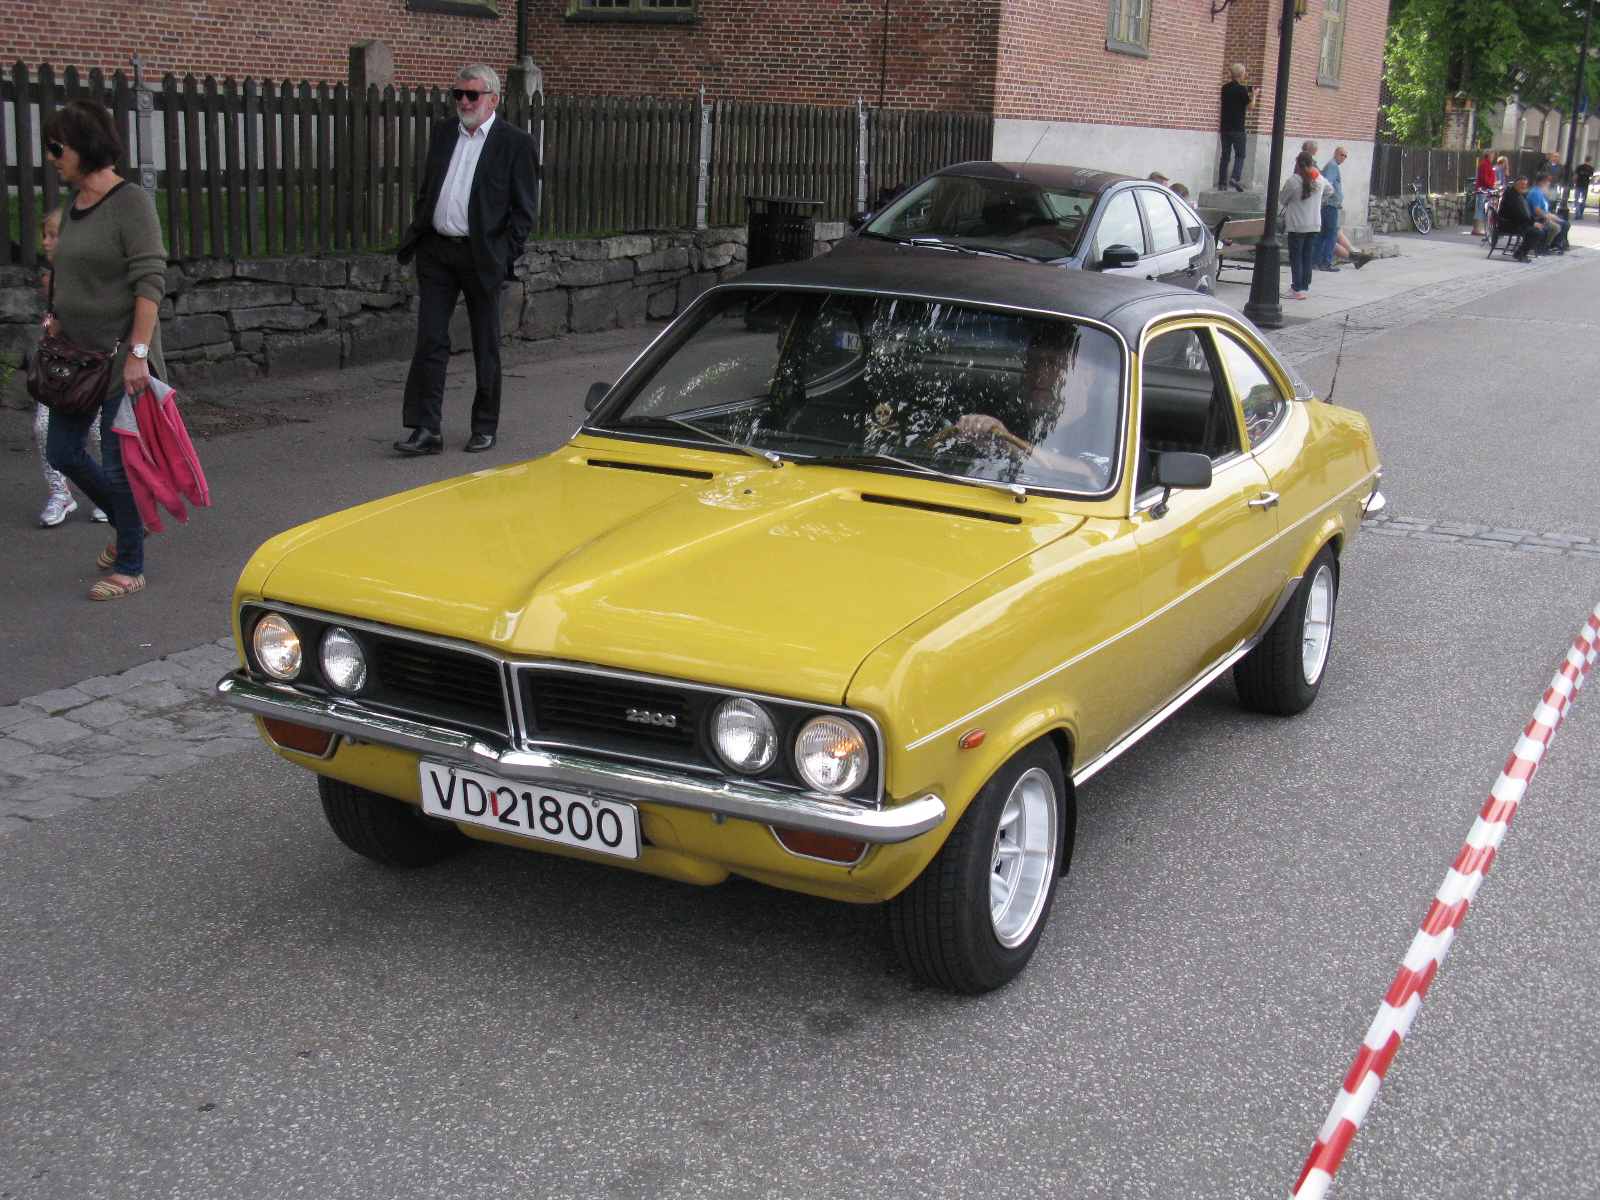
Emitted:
<point x="529" y="810"/>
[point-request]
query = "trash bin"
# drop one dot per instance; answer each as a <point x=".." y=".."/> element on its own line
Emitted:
<point x="782" y="230"/>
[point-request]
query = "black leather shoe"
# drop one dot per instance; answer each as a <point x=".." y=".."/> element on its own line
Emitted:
<point x="479" y="442"/>
<point x="421" y="441"/>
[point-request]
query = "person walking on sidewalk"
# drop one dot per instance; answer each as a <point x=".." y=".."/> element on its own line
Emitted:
<point x="1301" y="200"/>
<point x="1582" y="177"/>
<point x="108" y="280"/>
<point x="1237" y="97"/>
<point x="475" y="209"/>
<point x="1332" y="211"/>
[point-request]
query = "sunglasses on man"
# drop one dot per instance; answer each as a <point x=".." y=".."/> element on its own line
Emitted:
<point x="467" y="94"/>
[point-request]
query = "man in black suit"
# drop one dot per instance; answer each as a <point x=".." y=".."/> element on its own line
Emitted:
<point x="476" y="208"/>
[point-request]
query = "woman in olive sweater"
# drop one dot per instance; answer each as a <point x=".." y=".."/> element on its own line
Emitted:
<point x="109" y="278"/>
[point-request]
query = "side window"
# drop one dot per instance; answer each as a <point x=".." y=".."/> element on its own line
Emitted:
<point x="1259" y="396"/>
<point x="1184" y="403"/>
<point x="1119" y="225"/>
<point x="1165" y="232"/>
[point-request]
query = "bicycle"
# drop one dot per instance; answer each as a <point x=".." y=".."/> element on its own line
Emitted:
<point x="1421" y="211"/>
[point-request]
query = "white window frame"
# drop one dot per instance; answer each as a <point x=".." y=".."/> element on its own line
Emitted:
<point x="1128" y="27"/>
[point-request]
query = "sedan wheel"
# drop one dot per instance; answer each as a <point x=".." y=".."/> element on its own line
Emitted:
<point x="971" y="921"/>
<point x="1283" y="674"/>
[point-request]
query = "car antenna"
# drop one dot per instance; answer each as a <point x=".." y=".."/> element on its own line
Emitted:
<point x="1036" y="145"/>
<point x="1338" y="358"/>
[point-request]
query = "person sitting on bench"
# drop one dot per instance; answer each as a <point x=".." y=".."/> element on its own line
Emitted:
<point x="1515" y="218"/>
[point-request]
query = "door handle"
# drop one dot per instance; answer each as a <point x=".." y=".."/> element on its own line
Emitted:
<point x="1264" y="501"/>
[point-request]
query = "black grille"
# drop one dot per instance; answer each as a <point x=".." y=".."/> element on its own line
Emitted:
<point x="441" y="677"/>
<point x="590" y="704"/>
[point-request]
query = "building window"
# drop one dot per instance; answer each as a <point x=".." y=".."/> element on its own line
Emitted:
<point x="1128" y="27"/>
<point x="1332" y="43"/>
<point x="676" y="11"/>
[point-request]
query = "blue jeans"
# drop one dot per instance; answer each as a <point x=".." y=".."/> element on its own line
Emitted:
<point x="104" y="482"/>
<point x="1301" y="246"/>
<point x="1232" y="141"/>
<point x="1328" y="238"/>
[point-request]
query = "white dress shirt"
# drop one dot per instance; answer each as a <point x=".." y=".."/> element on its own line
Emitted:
<point x="450" y="213"/>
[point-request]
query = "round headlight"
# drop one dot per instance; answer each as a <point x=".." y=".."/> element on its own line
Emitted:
<point x="830" y="754"/>
<point x="277" y="646"/>
<point x="342" y="661"/>
<point x="745" y="735"/>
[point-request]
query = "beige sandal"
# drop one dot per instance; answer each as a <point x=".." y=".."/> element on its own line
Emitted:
<point x="110" y="589"/>
<point x="108" y="558"/>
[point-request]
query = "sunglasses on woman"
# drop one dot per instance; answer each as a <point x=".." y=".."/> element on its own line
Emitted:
<point x="55" y="149"/>
<point x="467" y="94"/>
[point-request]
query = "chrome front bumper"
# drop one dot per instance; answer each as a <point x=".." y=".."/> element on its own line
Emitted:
<point x="628" y="781"/>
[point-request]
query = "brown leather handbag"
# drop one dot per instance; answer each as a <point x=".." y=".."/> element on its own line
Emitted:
<point x="66" y="378"/>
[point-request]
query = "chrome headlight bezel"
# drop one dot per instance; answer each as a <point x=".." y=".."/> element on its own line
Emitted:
<point x="277" y="647"/>
<point x="335" y="639"/>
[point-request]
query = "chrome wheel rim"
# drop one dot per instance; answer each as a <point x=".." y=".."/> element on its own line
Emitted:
<point x="1318" y="628"/>
<point x="1024" y="859"/>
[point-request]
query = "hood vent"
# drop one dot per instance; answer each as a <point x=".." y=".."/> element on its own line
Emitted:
<point x="619" y="465"/>
<point x="948" y="509"/>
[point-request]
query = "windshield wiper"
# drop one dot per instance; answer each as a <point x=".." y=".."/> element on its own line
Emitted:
<point x="933" y="243"/>
<point x="765" y="455"/>
<point x="1015" y="490"/>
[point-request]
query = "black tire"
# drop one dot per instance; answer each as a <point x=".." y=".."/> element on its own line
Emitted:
<point x="386" y="830"/>
<point x="1274" y="677"/>
<point x="942" y="925"/>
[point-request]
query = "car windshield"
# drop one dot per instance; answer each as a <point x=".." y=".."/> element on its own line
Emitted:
<point x="1040" y="222"/>
<point x="1017" y="400"/>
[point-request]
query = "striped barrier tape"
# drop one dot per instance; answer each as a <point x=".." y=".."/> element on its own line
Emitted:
<point x="1449" y="909"/>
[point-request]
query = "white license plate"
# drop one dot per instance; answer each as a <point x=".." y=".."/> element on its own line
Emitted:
<point x="530" y="811"/>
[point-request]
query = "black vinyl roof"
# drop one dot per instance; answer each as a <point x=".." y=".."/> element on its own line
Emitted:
<point x="1127" y="305"/>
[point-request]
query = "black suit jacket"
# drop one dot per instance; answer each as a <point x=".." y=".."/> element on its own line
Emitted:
<point x="502" y="207"/>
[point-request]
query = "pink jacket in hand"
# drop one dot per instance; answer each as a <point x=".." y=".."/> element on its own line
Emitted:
<point x="158" y="457"/>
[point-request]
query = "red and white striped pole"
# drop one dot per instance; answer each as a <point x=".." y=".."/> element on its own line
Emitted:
<point x="1432" y="943"/>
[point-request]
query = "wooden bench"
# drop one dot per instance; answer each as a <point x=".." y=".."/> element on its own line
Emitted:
<point x="1240" y="258"/>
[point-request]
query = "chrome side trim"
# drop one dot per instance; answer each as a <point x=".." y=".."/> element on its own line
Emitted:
<point x="1206" y="677"/>
<point x="628" y="781"/>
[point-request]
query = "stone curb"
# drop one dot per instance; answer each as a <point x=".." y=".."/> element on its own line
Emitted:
<point x="1573" y="545"/>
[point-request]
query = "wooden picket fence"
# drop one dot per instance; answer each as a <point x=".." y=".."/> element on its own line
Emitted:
<point x="261" y="167"/>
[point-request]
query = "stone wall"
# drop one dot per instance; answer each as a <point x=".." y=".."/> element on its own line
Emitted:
<point x="233" y="320"/>
<point x="1392" y="214"/>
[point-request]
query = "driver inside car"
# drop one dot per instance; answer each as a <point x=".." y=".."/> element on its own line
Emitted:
<point x="1067" y="395"/>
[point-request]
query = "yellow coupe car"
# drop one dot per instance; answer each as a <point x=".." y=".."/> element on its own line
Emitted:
<point x="859" y="570"/>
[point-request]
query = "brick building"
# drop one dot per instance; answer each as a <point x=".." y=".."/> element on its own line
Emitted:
<point x="1127" y="85"/>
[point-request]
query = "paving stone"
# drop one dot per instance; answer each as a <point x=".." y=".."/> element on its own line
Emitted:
<point x="1571" y="539"/>
<point x="1478" y="541"/>
<point x="102" y="713"/>
<point x="201" y="656"/>
<point x="1391" y="531"/>
<point x="222" y="746"/>
<point x="1521" y="533"/>
<point x="153" y="697"/>
<point x="1501" y="535"/>
<point x="105" y="685"/>
<point x="1453" y="527"/>
<point x="1536" y="549"/>
<point x="10" y="749"/>
<point x="1410" y="526"/>
<point x="34" y="766"/>
<point x="154" y="672"/>
<point x="1584" y="552"/>
<point x="57" y="701"/>
<point x="52" y="807"/>
<point x="142" y="728"/>
<point x="1435" y="537"/>
<point x="15" y="714"/>
<point x="116" y="764"/>
<point x="1542" y="540"/>
<point x="110" y="785"/>
<point x="47" y="731"/>
<point x="12" y="825"/>
<point x="161" y="746"/>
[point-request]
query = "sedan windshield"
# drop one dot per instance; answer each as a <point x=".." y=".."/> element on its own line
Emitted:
<point x="1029" y="219"/>
<point x="936" y="387"/>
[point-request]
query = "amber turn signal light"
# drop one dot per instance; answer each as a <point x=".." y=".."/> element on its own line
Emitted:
<point x="819" y="845"/>
<point x="302" y="739"/>
<point x="972" y="739"/>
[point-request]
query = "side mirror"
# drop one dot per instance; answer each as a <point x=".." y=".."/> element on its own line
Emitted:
<point x="597" y="393"/>
<point x="1118" y="256"/>
<point x="858" y="220"/>
<point x="1179" y="469"/>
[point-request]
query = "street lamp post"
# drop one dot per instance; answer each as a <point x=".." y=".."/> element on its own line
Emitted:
<point x="1264" y="307"/>
<point x="1577" y="99"/>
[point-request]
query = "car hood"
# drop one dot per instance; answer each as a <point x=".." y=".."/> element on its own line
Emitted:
<point x="776" y="580"/>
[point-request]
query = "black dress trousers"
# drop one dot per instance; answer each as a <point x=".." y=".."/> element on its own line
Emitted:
<point x="444" y="273"/>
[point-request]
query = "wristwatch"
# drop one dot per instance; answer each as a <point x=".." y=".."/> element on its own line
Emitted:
<point x="139" y="350"/>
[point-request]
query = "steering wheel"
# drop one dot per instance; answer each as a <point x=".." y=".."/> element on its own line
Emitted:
<point x="1003" y="434"/>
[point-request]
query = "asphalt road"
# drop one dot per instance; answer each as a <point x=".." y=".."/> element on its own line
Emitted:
<point x="204" y="995"/>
